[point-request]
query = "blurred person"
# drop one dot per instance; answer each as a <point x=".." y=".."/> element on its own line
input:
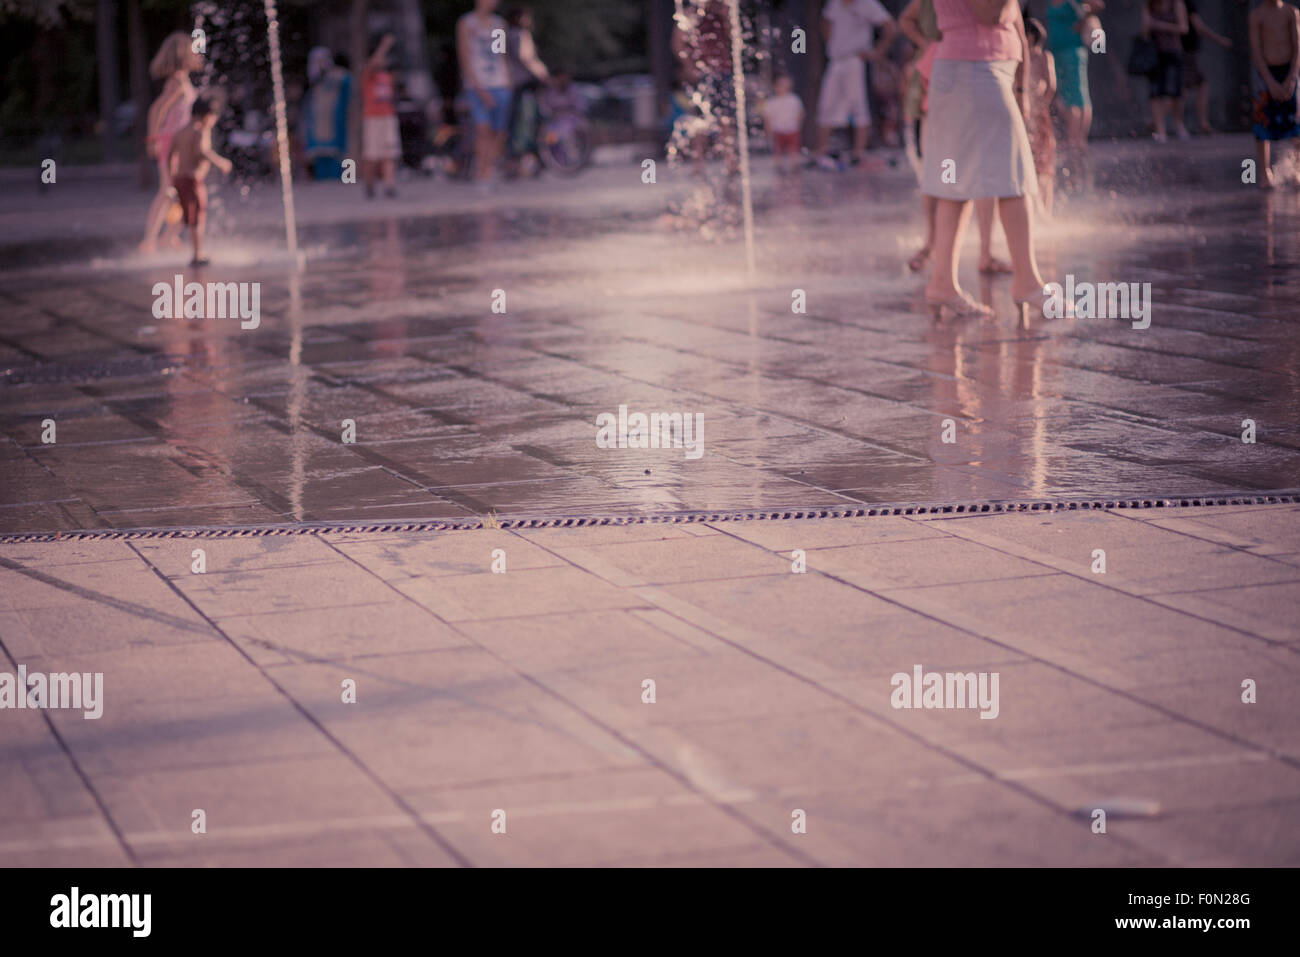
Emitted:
<point x="1042" y="91"/>
<point x="381" y="140"/>
<point x="975" y="146"/>
<point x="1193" y="78"/>
<point x="190" y="156"/>
<point x="325" y="113"/>
<point x="527" y="75"/>
<point x="170" y="112"/>
<point x="783" y="116"/>
<point x="918" y="23"/>
<point x="486" y="78"/>
<point x="885" y="86"/>
<point x="1165" y="22"/>
<point x="1069" y="25"/>
<point x="1275" y="53"/>
<point x="848" y="27"/>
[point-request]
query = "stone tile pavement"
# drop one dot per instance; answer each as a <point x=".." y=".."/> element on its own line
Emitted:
<point x="522" y="691"/>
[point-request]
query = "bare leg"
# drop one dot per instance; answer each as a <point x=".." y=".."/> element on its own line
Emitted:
<point x="922" y="255"/>
<point x="1179" y="115"/>
<point x="157" y="210"/>
<point x="1159" y="113"/>
<point x="1027" y="282"/>
<point x="1073" y="120"/>
<point x="950" y="218"/>
<point x="823" y="140"/>
<point x="483" y="144"/>
<point x="1203" y="107"/>
<point x="984" y="211"/>
<point x="1264" y="175"/>
<point x="197" y="230"/>
<point x="860" y="134"/>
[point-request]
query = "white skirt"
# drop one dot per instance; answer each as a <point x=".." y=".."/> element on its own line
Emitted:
<point x="974" y="143"/>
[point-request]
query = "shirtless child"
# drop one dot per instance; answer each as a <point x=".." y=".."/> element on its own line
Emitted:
<point x="191" y="158"/>
<point x="1275" y="52"/>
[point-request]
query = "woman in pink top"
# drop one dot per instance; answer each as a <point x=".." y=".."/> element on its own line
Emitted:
<point x="175" y="61"/>
<point x="975" y="145"/>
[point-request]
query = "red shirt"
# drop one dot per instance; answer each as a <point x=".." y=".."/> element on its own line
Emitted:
<point x="378" y="93"/>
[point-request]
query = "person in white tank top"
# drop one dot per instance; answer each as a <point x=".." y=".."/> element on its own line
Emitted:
<point x="482" y="49"/>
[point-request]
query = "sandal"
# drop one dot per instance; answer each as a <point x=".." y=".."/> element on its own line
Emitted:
<point x="917" y="262"/>
<point x="959" y="305"/>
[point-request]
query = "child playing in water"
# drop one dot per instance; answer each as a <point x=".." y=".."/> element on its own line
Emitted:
<point x="380" y="135"/>
<point x="1042" y="138"/>
<point x="191" y="157"/>
<point x="783" y="115"/>
<point x="1275" y="52"/>
<point x="175" y="61"/>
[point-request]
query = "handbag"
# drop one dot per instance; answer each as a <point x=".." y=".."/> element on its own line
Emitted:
<point x="1143" y="57"/>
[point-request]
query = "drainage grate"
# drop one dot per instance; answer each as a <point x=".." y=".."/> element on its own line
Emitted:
<point x="666" y="518"/>
<point x="78" y="373"/>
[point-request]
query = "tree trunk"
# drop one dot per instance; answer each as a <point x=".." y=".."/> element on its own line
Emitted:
<point x="106" y="54"/>
<point x="139" y="64"/>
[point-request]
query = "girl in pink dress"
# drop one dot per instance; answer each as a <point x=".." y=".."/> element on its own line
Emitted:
<point x="175" y="61"/>
<point x="975" y="146"/>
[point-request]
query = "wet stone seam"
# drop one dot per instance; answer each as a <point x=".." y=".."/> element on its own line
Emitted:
<point x="667" y="518"/>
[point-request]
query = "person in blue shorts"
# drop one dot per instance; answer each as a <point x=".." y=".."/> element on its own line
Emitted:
<point x="485" y="73"/>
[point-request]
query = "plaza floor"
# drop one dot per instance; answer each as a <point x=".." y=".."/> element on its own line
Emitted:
<point x="480" y="697"/>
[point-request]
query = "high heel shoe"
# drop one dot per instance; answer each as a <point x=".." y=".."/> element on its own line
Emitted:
<point x="959" y="305"/>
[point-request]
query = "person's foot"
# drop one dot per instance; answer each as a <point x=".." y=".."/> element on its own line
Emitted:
<point x="370" y="191"/>
<point x="146" y="248"/>
<point x="828" y="164"/>
<point x="1208" y="130"/>
<point x="391" y="192"/>
<point x="1028" y="292"/>
<point x="1182" y="133"/>
<point x="196" y="261"/>
<point x="918" y="261"/>
<point x="956" y="304"/>
<point x="1159" y="136"/>
<point x="994" y="266"/>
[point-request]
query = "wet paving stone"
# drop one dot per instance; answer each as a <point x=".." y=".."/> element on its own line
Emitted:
<point x="460" y="410"/>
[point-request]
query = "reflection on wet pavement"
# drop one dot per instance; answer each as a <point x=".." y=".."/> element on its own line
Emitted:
<point x="461" y="410"/>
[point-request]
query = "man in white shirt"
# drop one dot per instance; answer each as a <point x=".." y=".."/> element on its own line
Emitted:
<point x="849" y="27"/>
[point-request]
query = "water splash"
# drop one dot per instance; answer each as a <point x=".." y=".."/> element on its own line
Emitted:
<point x="281" y="128"/>
<point x="243" y="39"/>
<point x="711" y="134"/>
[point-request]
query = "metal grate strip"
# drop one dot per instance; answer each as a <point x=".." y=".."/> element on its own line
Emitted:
<point x="670" y="518"/>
